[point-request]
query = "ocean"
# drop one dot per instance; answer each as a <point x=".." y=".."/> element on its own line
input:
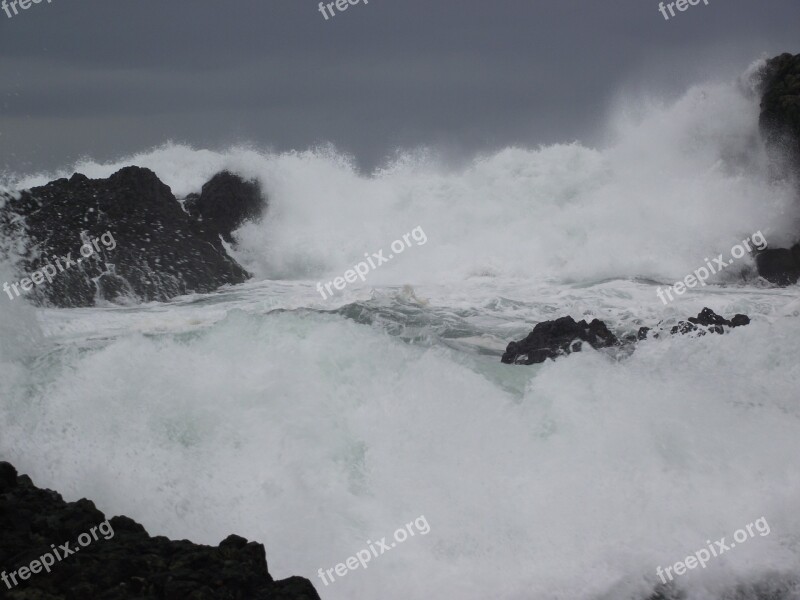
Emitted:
<point x="313" y="425"/>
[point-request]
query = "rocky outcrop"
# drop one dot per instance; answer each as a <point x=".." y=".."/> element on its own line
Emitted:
<point x="158" y="250"/>
<point x="225" y="203"/>
<point x="780" y="266"/>
<point x="551" y="339"/>
<point x="779" y="123"/>
<point x="709" y="322"/>
<point x="119" y="560"/>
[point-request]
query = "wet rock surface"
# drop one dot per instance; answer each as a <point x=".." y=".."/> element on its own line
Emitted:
<point x="225" y="203"/>
<point x="122" y="562"/>
<point x="779" y="123"/>
<point x="158" y="252"/>
<point x="552" y="339"/>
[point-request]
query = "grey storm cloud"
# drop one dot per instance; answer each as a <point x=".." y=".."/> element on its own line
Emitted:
<point x="102" y="78"/>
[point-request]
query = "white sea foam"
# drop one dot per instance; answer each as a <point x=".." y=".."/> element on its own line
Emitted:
<point x="678" y="182"/>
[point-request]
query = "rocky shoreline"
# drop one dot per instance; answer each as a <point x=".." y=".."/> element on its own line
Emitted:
<point x="126" y="563"/>
<point x="560" y="337"/>
<point x="166" y="248"/>
<point x="779" y="123"/>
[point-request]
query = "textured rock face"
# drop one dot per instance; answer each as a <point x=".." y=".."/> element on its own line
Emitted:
<point x="123" y="561"/>
<point x="780" y="104"/>
<point x="780" y="127"/>
<point x="225" y="203"/>
<point x="709" y="321"/>
<point x="780" y="266"/>
<point x="159" y="251"/>
<point x="551" y="339"/>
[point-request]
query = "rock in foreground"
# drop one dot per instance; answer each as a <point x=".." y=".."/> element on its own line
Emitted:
<point x="122" y="561"/>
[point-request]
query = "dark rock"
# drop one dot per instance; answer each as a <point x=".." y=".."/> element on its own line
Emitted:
<point x="708" y="317"/>
<point x="225" y="203"/>
<point x="684" y="327"/>
<point x="551" y="339"/>
<point x="779" y="265"/>
<point x="711" y="321"/>
<point x="158" y="251"/>
<point x="740" y="320"/>
<point x="8" y="477"/>
<point x="779" y="123"/>
<point x="124" y="562"/>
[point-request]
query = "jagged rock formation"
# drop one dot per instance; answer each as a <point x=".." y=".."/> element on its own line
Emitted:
<point x="159" y="251"/>
<point x="121" y="561"/>
<point x="551" y="339"/>
<point x="709" y="321"/>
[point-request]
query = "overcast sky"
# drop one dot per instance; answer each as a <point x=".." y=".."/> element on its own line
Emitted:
<point x="103" y="78"/>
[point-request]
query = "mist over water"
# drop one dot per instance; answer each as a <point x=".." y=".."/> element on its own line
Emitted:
<point x="315" y="428"/>
<point x="677" y="183"/>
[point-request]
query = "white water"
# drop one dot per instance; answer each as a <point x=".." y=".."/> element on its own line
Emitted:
<point x="314" y="432"/>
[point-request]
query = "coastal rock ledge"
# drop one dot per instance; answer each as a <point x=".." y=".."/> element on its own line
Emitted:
<point x="126" y="563"/>
<point x="160" y="250"/>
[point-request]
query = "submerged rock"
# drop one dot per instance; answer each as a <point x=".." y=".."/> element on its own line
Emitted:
<point x="551" y="339"/>
<point x="120" y="561"/>
<point x="152" y="249"/>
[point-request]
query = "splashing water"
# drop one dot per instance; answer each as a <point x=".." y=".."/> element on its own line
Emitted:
<point x="314" y="426"/>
